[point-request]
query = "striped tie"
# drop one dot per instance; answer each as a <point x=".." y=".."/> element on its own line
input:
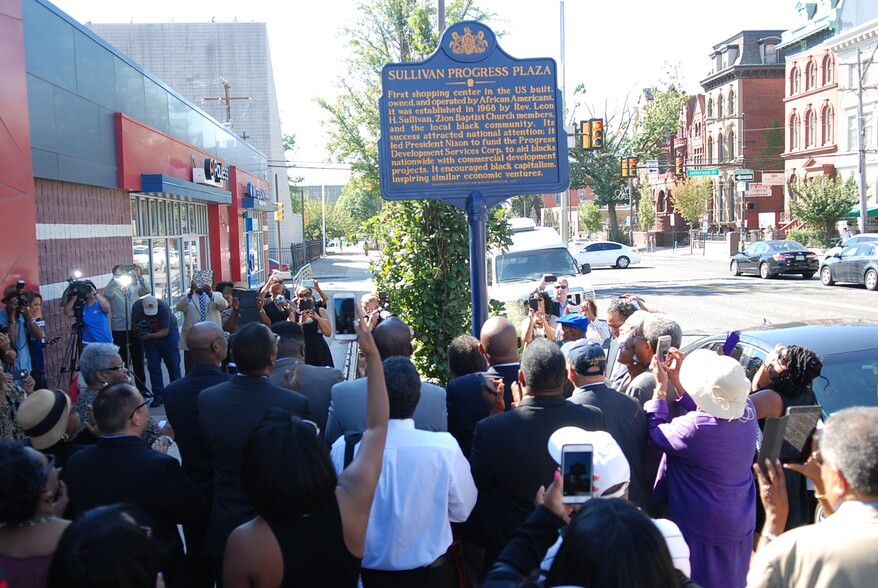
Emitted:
<point x="202" y="307"/>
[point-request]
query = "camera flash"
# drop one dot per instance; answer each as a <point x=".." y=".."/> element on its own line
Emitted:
<point x="77" y="274"/>
<point x="124" y="280"/>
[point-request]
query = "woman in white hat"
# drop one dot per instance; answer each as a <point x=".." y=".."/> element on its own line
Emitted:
<point x="705" y="476"/>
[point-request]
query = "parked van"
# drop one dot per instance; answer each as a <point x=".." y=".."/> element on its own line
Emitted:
<point x="535" y="251"/>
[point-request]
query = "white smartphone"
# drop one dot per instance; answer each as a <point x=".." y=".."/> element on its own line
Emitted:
<point x="344" y="308"/>
<point x="577" y="472"/>
<point x="664" y="347"/>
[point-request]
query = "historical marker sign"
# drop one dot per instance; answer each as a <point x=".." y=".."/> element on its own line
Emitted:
<point x="470" y="118"/>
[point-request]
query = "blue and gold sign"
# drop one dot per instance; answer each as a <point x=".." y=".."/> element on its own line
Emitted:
<point x="471" y="118"/>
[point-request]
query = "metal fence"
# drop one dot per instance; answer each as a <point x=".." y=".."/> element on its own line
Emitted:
<point x="297" y="254"/>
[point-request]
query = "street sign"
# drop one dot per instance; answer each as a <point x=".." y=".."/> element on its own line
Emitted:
<point x="652" y="167"/>
<point x="773" y="178"/>
<point x="695" y="173"/>
<point x="744" y="175"/>
<point x="758" y="191"/>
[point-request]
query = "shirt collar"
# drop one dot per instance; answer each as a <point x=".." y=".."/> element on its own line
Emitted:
<point x="401" y="424"/>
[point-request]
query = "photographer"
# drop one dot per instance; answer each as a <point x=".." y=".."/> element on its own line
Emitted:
<point x="540" y="323"/>
<point x="18" y="326"/>
<point x="156" y="327"/>
<point x="276" y="300"/>
<point x="316" y="325"/>
<point x="38" y="363"/>
<point x="199" y="305"/>
<point x="373" y="310"/>
<point x="123" y="289"/>
<point x="83" y="297"/>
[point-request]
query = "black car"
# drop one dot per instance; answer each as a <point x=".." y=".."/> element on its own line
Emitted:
<point x="771" y="258"/>
<point x="857" y="264"/>
<point x="847" y="347"/>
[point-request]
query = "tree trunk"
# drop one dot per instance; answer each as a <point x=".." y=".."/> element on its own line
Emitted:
<point x="613" y="220"/>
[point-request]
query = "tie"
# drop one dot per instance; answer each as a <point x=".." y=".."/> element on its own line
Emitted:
<point x="202" y="307"/>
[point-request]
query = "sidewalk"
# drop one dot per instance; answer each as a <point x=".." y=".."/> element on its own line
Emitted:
<point x="712" y="249"/>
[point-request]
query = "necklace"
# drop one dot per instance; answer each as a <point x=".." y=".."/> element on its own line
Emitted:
<point x="36" y="521"/>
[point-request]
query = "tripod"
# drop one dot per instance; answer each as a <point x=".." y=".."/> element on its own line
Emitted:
<point x="129" y="356"/>
<point x="70" y="363"/>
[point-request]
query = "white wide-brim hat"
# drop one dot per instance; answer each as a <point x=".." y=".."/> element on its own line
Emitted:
<point x="608" y="461"/>
<point x="717" y="383"/>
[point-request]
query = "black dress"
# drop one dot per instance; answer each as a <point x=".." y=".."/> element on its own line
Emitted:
<point x="316" y="348"/>
<point x="313" y="550"/>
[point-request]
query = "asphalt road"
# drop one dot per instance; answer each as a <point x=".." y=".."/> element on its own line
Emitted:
<point x="701" y="294"/>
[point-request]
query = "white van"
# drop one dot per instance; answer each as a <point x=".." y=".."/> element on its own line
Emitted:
<point x="535" y="251"/>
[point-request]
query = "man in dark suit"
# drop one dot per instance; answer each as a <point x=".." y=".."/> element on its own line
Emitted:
<point x="347" y="409"/>
<point x="315" y="382"/>
<point x="120" y="468"/>
<point x="207" y="347"/>
<point x="499" y="343"/>
<point x="510" y="458"/>
<point x="227" y="414"/>
<point x="623" y="416"/>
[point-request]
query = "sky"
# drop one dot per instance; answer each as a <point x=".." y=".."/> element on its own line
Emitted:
<point x="613" y="48"/>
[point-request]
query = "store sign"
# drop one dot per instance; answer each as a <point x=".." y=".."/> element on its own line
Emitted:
<point x="213" y="173"/>
<point x="773" y="178"/>
<point x="758" y="191"/>
<point x="256" y="192"/>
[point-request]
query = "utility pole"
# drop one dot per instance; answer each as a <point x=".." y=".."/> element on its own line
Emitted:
<point x="565" y="195"/>
<point x="861" y="141"/>
<point x="227" y="99"/>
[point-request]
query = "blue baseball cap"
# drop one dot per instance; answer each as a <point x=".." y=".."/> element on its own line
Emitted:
<point x="577" y="321"/>
<point x="586" y="357"/>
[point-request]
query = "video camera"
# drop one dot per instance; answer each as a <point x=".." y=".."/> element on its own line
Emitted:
<point x="80" y="289"/>
<point x="19" y="294"/>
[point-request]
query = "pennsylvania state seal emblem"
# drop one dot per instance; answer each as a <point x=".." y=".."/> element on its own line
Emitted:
<point x="468" y="43"/>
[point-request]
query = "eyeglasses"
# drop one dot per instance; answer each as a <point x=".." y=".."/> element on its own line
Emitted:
<point x="561" y="287"/>
<point x="117" y="368"/>
<point x="313" y="424"/>
<point x="139" y="406"/>
<point x="305" y="295"/>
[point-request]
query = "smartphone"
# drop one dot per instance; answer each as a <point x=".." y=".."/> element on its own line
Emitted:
<point x="549" y="278"/>
<point x="19" y="374"/>
<point x="534" y="304"/>
<point x="306" y="304"/>
<point x="664" y="346"/>
<point x="344" y="305"/>
<point x="308" y="283"/>
<point x="486" y="383"/>
<point x="127" y="267"/>
<point x="577" y="470"/>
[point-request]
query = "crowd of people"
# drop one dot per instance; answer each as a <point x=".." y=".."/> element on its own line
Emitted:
<point x="290" y="476"/>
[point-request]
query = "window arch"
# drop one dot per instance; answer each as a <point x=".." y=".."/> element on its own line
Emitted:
<point x="710" y="108"/>
<point x="828" y="70"/>
<point x="794" y="132"/>
<point x="731" y="145"/>
<point x="721" y="148"/>
<point x="827" y="117"/>
<point x="811" y="76"/>
<point x="810" y="128"/>
<point x="710" y="150"/>
<point x="732" y="105"/>
<point x="795" y="80"/>
<point x="720" y="108"/>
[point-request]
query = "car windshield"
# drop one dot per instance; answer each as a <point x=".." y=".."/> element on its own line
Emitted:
<point x="787" y="246"/>
<point x="532" y="265"/>
<point x="848" y="379"/>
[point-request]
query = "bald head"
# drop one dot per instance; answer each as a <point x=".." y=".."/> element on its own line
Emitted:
<point x="499" y="341"/>
<point x="393" y="337"/>
<point x="206" y="343"/>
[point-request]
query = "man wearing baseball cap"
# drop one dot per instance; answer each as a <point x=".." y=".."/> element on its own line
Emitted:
<point x="156" y="326"/>
<point x="623" y="416"/>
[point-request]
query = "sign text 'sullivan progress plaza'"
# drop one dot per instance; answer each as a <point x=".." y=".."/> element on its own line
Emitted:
<point x="471" y="118"/>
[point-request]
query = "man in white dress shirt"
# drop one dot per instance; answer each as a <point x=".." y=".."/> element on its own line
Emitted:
<point x="425" y="486"/>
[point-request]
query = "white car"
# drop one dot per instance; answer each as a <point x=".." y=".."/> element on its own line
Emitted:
<point x="607" y="253"/>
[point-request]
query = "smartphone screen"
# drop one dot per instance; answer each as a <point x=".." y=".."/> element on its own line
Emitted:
<point x="308" y="283"/>
<point x="534" y="304"/>
<point x="664" y="346"/>
<point x="344" y="306"/>
<point x="306" y="304"/>
<point x="577" y="472"/>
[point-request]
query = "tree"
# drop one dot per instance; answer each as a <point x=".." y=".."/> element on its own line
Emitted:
<point x="522" y="206"/>
<point x="423" y="262"/>
<point x="821" y="202"/>
<point x="692" y="197"/>
<point x="289" y="143"/>
<point x="590" y="218"/>
<point x="359" y="199"/>
<point x="658" y="117"/>
<point x="646" y="206"/>
<point x="339" y="222"/>
<point x="774" y="145"/>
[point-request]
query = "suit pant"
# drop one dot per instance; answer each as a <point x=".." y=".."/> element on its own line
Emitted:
<point x="439" y="575"/>
<point x="134" y="344"/>
<point x="162" y="350"/>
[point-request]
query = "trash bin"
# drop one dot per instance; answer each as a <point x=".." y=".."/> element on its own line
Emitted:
<point x="733" y="240"/>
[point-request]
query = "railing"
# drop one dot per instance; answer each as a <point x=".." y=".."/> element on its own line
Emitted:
<point x="297" y="255"/>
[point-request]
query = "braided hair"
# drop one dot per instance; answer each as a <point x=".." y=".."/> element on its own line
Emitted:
<point x="803" y="366"/>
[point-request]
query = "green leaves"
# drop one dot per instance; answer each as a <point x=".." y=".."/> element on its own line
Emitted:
<point x="692" y="197"/>
<point x="821" y="202"/>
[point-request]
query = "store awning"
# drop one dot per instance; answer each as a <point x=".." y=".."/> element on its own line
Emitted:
<point x="871" y="210"/>
<point x="171" y="187"/>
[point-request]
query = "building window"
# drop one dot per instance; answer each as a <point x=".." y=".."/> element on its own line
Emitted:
<point x="810" y="128"/>
<point x="710" y="108"/>
<point x="732" y="145"/>
<point x="852" y="132"/>
<point x="811" y="76"/>
<point x="794" y="133"/>
<point x="795" y="81"/>
<point x="720" y="147"/>
<point x="719" y="204"/>
<point x="828" y="121"/>
<point x="828" y="67"/>
<point x="719" y="106"/>
<point x="710" y="150"/>
<point x="732" y="102"/>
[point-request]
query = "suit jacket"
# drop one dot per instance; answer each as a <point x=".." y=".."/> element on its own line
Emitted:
<point x="227" y="414"/>
<point x="124" y="469"/>
<point x="181" y="407"/>
<point x="840" y="551"/>
<point x="626" y="422"/>
<point x="510" y="460"/>
<point x="347" y="409"/>
<point x="315" y="383"/>
<point x="466" y="406"/>
<point x="192" y="313"/>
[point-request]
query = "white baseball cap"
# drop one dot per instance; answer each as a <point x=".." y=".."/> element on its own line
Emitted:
<point x="150" y="305"/>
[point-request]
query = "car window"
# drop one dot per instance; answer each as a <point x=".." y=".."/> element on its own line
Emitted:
<point x="849" y="251"/>
<point x="848" y="379"/>
<point x="759" y="249"/>
<point x="754" y="359"/>
<point x="867" y="249"/>
<point x="611" y="246"/>
<point x="532" y="265"/>
<point x="593" y="247"/>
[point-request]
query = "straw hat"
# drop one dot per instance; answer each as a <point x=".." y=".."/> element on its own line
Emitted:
<point x="43" y="416"/>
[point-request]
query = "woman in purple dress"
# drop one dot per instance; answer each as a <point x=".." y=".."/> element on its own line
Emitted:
<point x="705" y="476"/>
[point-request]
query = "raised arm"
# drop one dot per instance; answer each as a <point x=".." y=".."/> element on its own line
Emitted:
<point x="356" y="485"/>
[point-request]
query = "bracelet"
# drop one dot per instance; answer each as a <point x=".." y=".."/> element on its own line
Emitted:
<point x="768" y="536"/>
<point x="820" y="496"/>
<point x="170" y="441"/>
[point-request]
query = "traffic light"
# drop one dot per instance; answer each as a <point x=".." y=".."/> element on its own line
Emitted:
<point x="625" y="171"/>
<point x="678" y="168"/>
<point x="597" y="133"/>
<point x="279" y="213"/>
<point x="585" y="134"/>
<point x="632" y="167"/>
